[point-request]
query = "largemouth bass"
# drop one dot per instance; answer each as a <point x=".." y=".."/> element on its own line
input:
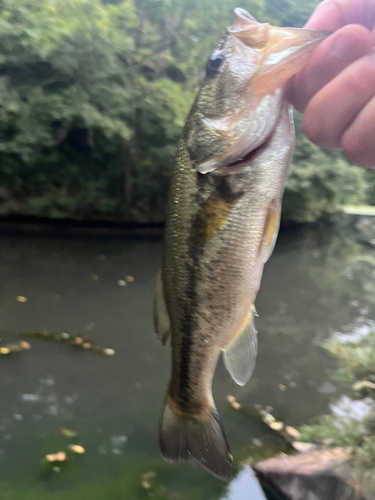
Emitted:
<point x="222" y="222"/>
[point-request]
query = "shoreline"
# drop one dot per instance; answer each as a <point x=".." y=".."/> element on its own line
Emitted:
<point x="36" y="226"/>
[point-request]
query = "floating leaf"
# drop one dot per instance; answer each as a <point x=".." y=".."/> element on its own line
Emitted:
<point x="129" y="279"/>
<point x="121" y="283"/>
<point x="267" y="417"/>
<point x="76" y="448"/>
<point x="276" y="426"/>
<point x="68" y="433"/>
<point x="18" y="347"/>
<point x="21" y="298"/>
<point x="292" y="432"/>
<point x="282" y="387"/>
<point x="60" y="456"/>
<point x="82" y="342"/>
<point x="234" y="404"/>
<point x="109" y="352"/>
<point x="257" y="442"/>
<point x="146" y="479"/>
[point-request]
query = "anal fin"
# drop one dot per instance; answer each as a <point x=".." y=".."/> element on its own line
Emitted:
<point x="241" y="353"/>
<point x="162" y="322"/>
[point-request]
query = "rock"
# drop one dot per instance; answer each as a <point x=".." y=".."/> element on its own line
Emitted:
<point x="315" y="475"/>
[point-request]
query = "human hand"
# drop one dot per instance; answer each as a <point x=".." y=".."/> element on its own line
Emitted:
<point x="336" y="90"/>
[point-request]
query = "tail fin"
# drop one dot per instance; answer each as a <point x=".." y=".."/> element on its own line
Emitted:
<point x="201" y="437"/>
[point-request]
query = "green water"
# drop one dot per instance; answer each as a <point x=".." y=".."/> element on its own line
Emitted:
<point x="318" y="283"/>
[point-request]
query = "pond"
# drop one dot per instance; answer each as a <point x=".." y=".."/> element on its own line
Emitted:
<point x="318" y="283"/>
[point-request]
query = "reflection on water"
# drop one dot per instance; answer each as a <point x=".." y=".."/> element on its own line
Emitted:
<point x="244" y="486"/>
<point x="317" y="284"/>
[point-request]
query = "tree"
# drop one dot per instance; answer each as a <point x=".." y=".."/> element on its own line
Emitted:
<point x="93" y="97"/>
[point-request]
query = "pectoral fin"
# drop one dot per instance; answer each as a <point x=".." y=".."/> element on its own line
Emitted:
<point x="241" y="353"/>
<point x="270" y="232"/>
<point x="214" y="213"/>
<point x="162" y="322"/>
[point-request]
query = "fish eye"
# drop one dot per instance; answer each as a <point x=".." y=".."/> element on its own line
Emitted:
<point x="214" y="65"/>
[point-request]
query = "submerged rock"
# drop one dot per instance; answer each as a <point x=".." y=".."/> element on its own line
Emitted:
<point x="316" y="475"/>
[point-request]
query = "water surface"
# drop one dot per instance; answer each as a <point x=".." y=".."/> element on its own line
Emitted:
<point x="317" y="284"/>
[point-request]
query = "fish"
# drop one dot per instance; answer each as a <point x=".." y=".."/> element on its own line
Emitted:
<point x="222" y="222"/>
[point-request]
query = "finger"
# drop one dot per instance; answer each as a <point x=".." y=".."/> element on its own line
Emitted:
<point x="332" y="14"/>
<point x="336" y="105"/>
<point x="358" y="141"/>
<point x="329" y="59"/>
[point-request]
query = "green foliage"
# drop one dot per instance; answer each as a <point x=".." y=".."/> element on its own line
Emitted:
<point x="357" y="359"/>
<point x="85" y="106"/>
<point x="320" y="181"/>
<point x="93" y="97"/>
<point x="344" y="432"/>
<point x="291" y="12"/>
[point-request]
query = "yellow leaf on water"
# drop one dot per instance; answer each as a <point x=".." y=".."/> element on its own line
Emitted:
<point x="129" y="279"/>
<point x="292" y="432"/>
<point x="234" y="404"/>
<point x="68" y="433"/>
<point x="21" y="298"/>
<point x="282" y="387"/>
<point x="276" y="426"/>
<point x="146" y="479"/>
<point x="4" y="350"/>
<point x="60" y="456"/>
<point x="76" y="448"/>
